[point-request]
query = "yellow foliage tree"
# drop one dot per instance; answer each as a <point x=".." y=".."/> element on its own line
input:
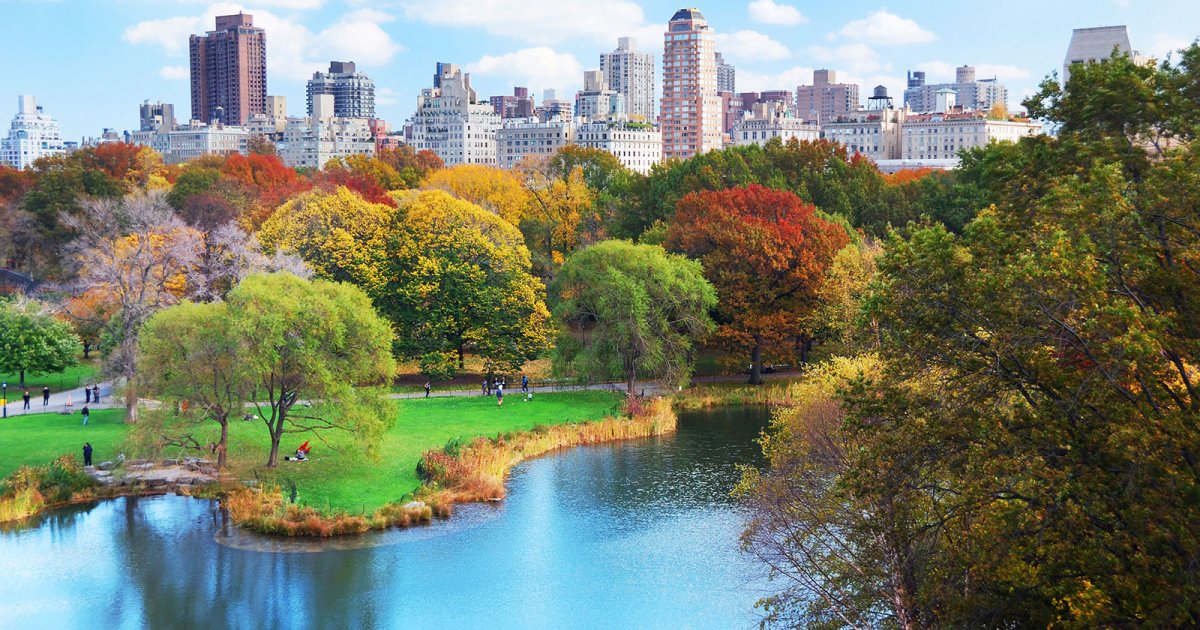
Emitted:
<point x="488" y="187"/>
<point x="560" y="202"/>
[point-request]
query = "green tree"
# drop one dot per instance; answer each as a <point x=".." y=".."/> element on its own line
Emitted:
<point x="630" y="311"/>
<point x="197" y="362"/>
<point x="310" y="352"/>
<point x="458" y="277"/>
<point x="32" y="340"/>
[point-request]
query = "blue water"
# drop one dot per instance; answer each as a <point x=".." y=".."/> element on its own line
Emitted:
<point x="640" y="534"/>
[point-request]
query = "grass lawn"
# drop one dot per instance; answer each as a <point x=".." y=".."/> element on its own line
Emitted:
<point x="75" y="376"/>
<point x="339" y="475"/>
<point x="36" y="439"/>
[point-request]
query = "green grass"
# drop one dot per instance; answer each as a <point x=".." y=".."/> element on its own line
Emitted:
<point x="339" y="476"/>
<point x="75" y="376"/>
<point x="37" y="439"/>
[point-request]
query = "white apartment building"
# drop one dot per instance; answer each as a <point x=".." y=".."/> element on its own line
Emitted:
<point x="313" y="141"/>
<point x="692" y="116"/>
<point x="943" y="136"/>
<point x="875" y="134"/>
<point x="523" y="137"/>
<point x="1090" y="45"/>
<point x="637" y="145"/>
<point x="772" y="120"/>
<point x="596" y="101"/>
<point x="33" y="134"/>
<point x="969" y="93"/>
<point x="188" y="142"/>
<point x="450" y="123"/>
<point x="631" y="73"/>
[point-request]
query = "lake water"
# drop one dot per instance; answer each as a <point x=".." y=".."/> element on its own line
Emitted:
<point x="639" y="534"/>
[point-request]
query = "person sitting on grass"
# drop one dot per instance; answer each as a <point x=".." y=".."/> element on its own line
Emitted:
<point x="301" y="453"/>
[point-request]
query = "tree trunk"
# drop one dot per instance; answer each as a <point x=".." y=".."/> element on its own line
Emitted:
<point x="631" y="382"/>
<point x="131" y="401"/>
<point x="22" y="379"/>
<point x="756" y="362"/>
<point x="462" y="363"/>
<point x="221" y="445"/>
<point x="277" y="436"/>
<point x="87" y="347"/>
<point x="805" y="347"/>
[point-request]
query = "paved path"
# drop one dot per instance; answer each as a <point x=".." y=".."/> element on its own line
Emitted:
<point x="642" y="387"/>
<point x="59" y="400"/>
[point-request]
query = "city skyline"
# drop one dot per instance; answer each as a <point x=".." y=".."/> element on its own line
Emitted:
<point x="540" y="45"/>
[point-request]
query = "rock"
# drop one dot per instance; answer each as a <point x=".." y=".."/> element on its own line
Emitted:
<point x="414" y="505"/>
<point x="105" y="465"/>
<point x="155" y="482"/>
<point x="142" y="466"/>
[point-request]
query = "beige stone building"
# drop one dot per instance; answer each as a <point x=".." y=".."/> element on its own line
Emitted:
<point x="522" y="138"/>
<point x="825" y="99"/>
<point x="772" y="120"/>
<point x="943" y="136"/>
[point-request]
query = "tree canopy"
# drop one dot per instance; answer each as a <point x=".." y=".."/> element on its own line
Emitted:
<point x="32" y="340"/>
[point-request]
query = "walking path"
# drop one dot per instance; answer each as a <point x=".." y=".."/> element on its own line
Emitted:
<point x="58" y="400"/>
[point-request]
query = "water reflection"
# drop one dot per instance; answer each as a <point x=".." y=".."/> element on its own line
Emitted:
<point x="636" y="534"/>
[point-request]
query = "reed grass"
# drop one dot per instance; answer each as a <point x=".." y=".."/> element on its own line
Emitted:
<point x="34" y="488"/>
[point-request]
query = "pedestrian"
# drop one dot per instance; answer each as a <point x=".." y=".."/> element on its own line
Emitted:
<point x="87" y="394"/>
<point x="499" y="394"/>
<point x="525" y="383"/>
<point x="46" y="396"/>
<point x="427" y="389"/>
<point x="85" y="413"/>
<point x="96" y="393"/>
<point x="26" y="398"/>
<point x="87" y="453"/>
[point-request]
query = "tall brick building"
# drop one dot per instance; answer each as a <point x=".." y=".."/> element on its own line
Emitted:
<point x="229" y="71"/>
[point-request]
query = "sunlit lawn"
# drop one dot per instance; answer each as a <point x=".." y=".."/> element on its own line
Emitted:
<point x="338" y="475"/>
<point x="74" y="376"/>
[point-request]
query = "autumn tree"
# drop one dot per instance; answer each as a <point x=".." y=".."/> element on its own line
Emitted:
<point x="561" y="206"/>
<point x="630" y="311"/>
<point x="457" y="278"/>
<point x="412" y="166"/>
<point x="319" y="342"/>
<point x="89" y="314"/>
<point x="766" y="252"/>
<point x="138" y="252"/>
<point x="33" y="341"/>
<point x="493" y="189"/>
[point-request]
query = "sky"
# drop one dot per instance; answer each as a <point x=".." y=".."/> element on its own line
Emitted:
<point x="92" y="62"/>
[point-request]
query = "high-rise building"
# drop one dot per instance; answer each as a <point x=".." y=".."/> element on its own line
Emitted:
<point x="596" y="101"/>
<point x="229" y="71"/>
<point x="450" y="122"/>
<point x="825" y="98"/>
<point x="33" y="134"/>
<point x="518" y="105"/>
<point x="353" y="92"/>
<point x="726" y="76"/>
<point x="970" y="93"/>
<point x="631" y="73"/>
<point x="691" y="116"/>
<point x="156" y="115"/>
<point x="313" y="141"/>
<point x="1090" y="45"/>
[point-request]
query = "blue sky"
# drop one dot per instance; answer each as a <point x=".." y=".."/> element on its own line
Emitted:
<point x="91" y="62"/>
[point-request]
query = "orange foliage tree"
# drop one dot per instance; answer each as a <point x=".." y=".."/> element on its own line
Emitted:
<point x="766" y="252"/>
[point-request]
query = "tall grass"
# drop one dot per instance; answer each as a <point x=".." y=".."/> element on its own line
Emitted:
<point x="476" y="471"/>
<point x="264" y="510"/>
<point x="33" y="488"/>
<point x="704" y="397"/>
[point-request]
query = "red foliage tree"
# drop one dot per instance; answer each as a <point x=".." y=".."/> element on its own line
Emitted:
<point x="766" y="252"/>
<point x="366" y="186"/>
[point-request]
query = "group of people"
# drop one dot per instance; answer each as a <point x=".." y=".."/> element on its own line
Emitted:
<point x="500" y="383"/>
<point x="91" y="395"/>
<point x="45" y="397"/>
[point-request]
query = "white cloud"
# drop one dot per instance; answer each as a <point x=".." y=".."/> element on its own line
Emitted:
<point x="750" y="46"/>
<point x="750" y="81"/>
<point x="386" y="96"/>
<point x="538" y="21"/>
<point x="537" y="68"/>
<point x="856" y="58"/>
<point x="768" y="12"/>
<point x="291" y="5"/>
<point x="293" y="51"/>
<point x="885" y="28"/>
<point x="943" y="72"/>
<point x="175" y="73"/>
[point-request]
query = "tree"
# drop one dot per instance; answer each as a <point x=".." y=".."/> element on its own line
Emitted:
<point x="318" y="342"/>
<point x="138" y="252"/>
<point x="89" y="314"/>
<point x="412" y="166"/>
<point x="495" y="190"/>
<point x="630" y="310"/>
<point x="766" y="252"/>
<point x="457" y="277"/>
<point x="560" y="204"/>
<point x="32" y="340"/>
<point x="197" y="359"/>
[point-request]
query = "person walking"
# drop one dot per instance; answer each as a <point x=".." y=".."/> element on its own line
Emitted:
<point x="87" y="453"/>
<point x="96" y="393"/>
<point x="84" y="412"/>
<point x="427" y="389"/>
<point x="87" y="394"/>
<point x="26" y="399"/>
<point x="499" y="394"/>
<point x="525" y="383"/>
<point x="46" y="396"/>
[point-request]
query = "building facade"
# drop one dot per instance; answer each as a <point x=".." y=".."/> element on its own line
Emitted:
<point x="726" y="76"/>
<point x="691" y="115"/>
<point x="637" y="145"/>
<point x="825" y="99"/>
<point x="943" y="136"/>
<point x="190" y="141"/>
<point x="313" y="141"/>
<point x="229" y="71"/>
<point x="1091" y="45"/>
<point x="770" y="120"/>
<point x="875" y="134"/>
<point x="519" y="105"/>
<point x="596" y="101"/>
<point x="353" y="92"/>
<point x="33" y="134"/>
<point x="631" y="73"/>
<point x="970" y="94"/>
<point x="156" y="115"/>
<point x="450" y="123"/>
<point x="520" y="139"/>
